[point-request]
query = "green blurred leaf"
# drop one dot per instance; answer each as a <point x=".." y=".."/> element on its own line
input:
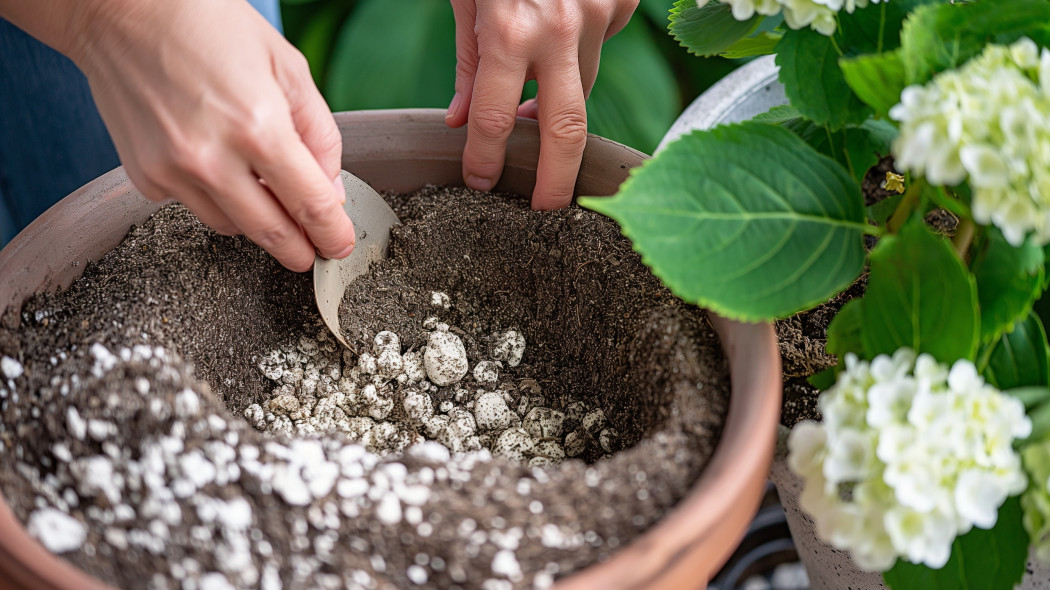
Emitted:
<point x="992" y="559"/>
<point x="813" y="80"/>
<point x="393" y="59"/>
<point x="939" y="37"/>
<point x="317" y="37"/>
<point x="745" y="219"/>
<point x="635" y="99"/>
<point x="877" y="79"/>
<point x="1009" y="280"/>
<point x="824" y="379"/>
<point x="761" y="44"/>
<point x="709" y="30"/>
<point x="844" y="331"/>
<point x="1019" y="358"/>
<point x="658" y="11"/>
<point x="921" y="296"/>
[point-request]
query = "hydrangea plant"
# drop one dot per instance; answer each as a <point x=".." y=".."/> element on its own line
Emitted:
<point x="932" y="459"/>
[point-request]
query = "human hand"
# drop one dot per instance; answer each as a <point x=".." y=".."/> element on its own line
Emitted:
<point x="208" y="104"/>
<point x="500" y="44"/>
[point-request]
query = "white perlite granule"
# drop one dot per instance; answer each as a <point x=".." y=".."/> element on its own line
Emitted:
<point x="385" y="399"/>
<point x="56" y="530"/>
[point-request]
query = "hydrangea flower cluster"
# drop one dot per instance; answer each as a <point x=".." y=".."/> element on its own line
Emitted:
<point x="910" y="454"/>
<point x="816" y="14"/>
<point x="988" y="121"/>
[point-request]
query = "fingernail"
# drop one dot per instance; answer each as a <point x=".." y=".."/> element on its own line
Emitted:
<point x="453" y="107"/>
<point x="478" y="183"/>
<point x="339" y="190"/>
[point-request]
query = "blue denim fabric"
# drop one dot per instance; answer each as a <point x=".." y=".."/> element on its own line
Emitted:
<point x="52" y="140"/>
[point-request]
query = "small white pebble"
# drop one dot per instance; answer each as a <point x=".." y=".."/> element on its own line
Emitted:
<point x="445" y="358"/>
<point x="11" y="368"/>
<point x="440" y="299"/>
<point x="509" y="346"/>
<point x="56" y="530"/>
<point x="487" y="371"/>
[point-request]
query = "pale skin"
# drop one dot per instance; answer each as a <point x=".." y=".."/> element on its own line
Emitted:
<point x="208" y="104"/>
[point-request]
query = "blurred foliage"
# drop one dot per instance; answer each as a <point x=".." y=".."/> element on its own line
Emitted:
<point x="362" y="57"/>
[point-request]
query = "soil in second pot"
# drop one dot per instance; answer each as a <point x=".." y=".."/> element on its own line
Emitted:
<point x="139" y="407"/>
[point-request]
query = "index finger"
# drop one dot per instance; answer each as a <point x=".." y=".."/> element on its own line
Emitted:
<point x="309" y="196"/>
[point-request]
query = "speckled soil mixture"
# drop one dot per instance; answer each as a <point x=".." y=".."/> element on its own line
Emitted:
<point x="124" y="444"/>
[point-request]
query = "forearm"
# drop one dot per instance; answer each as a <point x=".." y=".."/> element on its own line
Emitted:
<point x="71" y="27"/>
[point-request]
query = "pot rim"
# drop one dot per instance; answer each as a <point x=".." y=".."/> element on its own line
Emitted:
<point x="685" y="548"/>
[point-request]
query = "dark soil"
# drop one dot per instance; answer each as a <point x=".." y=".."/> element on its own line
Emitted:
<point x="598" y="324"/>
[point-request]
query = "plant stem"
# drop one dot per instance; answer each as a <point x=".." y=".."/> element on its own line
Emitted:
<point x="905" y="208"/>
<point x="963" y="238"/>
<point x="882" y="28"/>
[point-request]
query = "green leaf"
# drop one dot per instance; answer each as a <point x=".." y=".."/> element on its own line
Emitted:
<point x="939" y="37"/>
<point x="857" y="148"/>
<point x="318" y="37"/>
<point x="1019" y="358"/>
<point x="635" y="98"/>
<point x="813" y="81"/>
<point x="709" y="30"/>
<point x="844" y="331"/>
<point x="385" y="62"/>
<point x="919" y="295"/>
<point x="761" y="44"/>
<point x="658" y="11"/>
<point x="877" y="79"/>
<point x="982" y="559"/>
<point x="824" y="379"/>
<point x="777" y="115"/>
<point x="1009" y="280"/>
<point x="745" y="219"/>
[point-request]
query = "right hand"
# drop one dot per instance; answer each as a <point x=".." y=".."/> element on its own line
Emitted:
<point x="207" y="103"/>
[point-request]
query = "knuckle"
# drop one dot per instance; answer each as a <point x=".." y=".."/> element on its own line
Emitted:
<point x="569" y="128"/>
<point x="316" y="211"/>
<point x="491" y="121"/>
<point x="274" y="237"/>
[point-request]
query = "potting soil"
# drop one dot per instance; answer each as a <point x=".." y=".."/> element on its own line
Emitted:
<point x="178" y="417"/>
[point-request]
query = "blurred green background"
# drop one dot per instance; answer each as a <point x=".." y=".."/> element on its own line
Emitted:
<point x="371" y="54"/>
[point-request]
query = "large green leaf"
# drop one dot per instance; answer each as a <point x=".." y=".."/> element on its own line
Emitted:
<point x="635" y="99"/>
<point x="919" y="295"/>
<point x="939" y="37"/>
<point x="317" y="37"/>
<point x="992" y="559"/>
<point x="877" y="79"/>
<point x="708" y="30"/>
<point x="813" y="81"/>
<point x="1009" y="280"/>
<point x="1019" y="358"/>
<point x="387" y="58"/>
<point x="745" y="219"/>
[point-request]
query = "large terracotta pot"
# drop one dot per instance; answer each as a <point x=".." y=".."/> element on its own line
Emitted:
<point x="404" y="150"/>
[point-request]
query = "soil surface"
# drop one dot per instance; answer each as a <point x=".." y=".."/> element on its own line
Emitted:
<point x="123" y="399"/>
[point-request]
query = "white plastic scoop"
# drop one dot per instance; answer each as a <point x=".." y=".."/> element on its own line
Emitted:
<point x="372" y="219"/>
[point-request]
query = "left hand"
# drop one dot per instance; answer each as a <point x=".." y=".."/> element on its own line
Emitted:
<point x="501" y="44"/>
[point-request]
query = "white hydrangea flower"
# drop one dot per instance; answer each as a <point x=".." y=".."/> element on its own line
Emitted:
<point x="987" y="121"/>
<point x="910" y="455"/>
<point x="819" y="15"/>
